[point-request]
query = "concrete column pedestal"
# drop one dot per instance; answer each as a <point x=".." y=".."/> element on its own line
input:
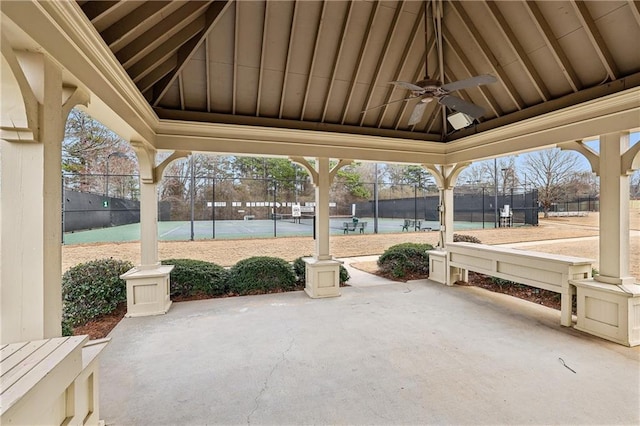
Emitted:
<point x="438" y="267"/>
<point x="322" y="278"/>
<point x="148" y="290"/>
<point x="609" y="311"/>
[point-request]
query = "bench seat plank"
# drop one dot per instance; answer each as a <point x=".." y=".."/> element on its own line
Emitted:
<point x="36" y="366"/>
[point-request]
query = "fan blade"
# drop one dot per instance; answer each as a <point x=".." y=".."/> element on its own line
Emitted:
<point x="397" y="100"/>
<point x="469" y="82"/>
<point x="417" y="113"/>
<point x="408" y="86"/>
<point x="461" y="105"/>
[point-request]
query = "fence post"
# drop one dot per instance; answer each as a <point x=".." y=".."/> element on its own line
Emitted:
<point x="375" y="202"/>
<point x="415" y="206"/>
<point x="192" y="193"/>
<point x="483" y="207"/>
<point x="213" y="207"/>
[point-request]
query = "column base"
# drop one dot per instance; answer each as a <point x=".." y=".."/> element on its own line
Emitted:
<point x="438" y="266"/>
<point x="611" y="312"/>
<point x="148" y="290"/>
<point x="322" y="278"/>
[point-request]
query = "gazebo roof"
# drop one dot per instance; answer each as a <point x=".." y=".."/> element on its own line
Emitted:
<point x="191" y="75"/>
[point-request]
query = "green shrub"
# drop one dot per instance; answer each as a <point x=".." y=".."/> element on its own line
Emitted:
<point x="461" y="238"/>
<point x="191" y="277"/>
<point x="67" y="328"/>
<point x="92" y="289"/>
<point x="299" y="269"/>
<point x="344" y="275"/>
<point x="261" y="274"/>
<point x="405" y="259"/>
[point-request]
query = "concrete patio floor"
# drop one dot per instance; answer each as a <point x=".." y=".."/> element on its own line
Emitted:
<point x="389" y="353"/>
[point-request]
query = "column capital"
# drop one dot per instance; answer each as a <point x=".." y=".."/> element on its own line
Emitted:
<point x="314" y="172"/>
<point x="446" y="175"/>
<point x="149" y="172"/>
<point x="579" y="146"/>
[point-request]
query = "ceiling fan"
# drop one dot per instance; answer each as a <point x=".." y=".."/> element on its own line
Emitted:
<point x="430" y="89"/>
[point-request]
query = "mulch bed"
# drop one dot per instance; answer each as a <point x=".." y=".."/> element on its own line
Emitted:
<point x="521" y="291"/>
<point x="101" y="326"/>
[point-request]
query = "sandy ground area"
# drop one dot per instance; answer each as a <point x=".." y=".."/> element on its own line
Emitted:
<point x="228" y="252"/>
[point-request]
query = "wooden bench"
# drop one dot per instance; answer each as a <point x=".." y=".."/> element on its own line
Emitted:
<point x="541" y="270"/>
<point x="51" y="381"/>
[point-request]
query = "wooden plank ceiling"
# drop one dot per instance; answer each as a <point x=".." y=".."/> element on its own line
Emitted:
<point x="320" y="64"/>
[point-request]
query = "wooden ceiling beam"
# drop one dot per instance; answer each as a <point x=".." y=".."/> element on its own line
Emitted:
<point x="511" y="39"/>
<point x="403" y="62"/>
<point x="455" y="48"/>
<point x="263" y="50"/>
<point x="356" y="72"/>
<point x="416" y="76"/>
<point x="186" y="51"/>
<point x="485" y="49"/>
<point x="96" y="10"/>
<point x="596" y="39"/>
<point x="154" y="76"/>
<point x="321" y="21"/>
<point x="135" y="18"/>
<point x="292" y="32"/>
<point x="336" y="60"/>
<point x="145" y="65"/>
<point x="553" y="44"/>
<point x="236" y="34"/>
<point x="159" y="33"/>
<point x="207" y="73"/>
<point x="381" y="59"/>
<point x="634" y="5"/>
<point x="181" y="91"/>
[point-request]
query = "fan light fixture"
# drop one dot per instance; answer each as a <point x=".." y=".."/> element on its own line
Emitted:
<point x="459" y="120"/>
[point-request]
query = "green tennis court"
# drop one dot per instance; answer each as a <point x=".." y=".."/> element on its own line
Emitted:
<point x="234" y="229"/>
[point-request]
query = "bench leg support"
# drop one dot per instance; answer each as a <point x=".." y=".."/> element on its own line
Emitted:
<point x="566" y="304"/>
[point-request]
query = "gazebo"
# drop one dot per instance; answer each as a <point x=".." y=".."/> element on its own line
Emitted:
<point x="309" y="81"/>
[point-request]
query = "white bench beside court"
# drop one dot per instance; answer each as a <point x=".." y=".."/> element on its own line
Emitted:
<point x="541" y="270"/>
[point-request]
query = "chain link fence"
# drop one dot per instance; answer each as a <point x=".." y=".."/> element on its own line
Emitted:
<point x="101" y="201"/>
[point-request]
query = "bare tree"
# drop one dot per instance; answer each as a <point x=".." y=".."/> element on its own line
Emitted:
<point x="550" y="171"/>
<point x="473" y="178"/>
<point x="634" y="182"/>
<point x="506" y="176"/>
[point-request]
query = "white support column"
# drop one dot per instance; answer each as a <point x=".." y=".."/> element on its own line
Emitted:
<point x="30" y="199"/>
<point x="322" y="271"/>
<point x="148" y="225"/>
<point x="322" y="210"/>
<point x="446" y="201"/>
<point x="614" y="211"/>
<point x="445" y="177"/>
<point x="609" y="304"/>
<point x="148" y="286"/>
